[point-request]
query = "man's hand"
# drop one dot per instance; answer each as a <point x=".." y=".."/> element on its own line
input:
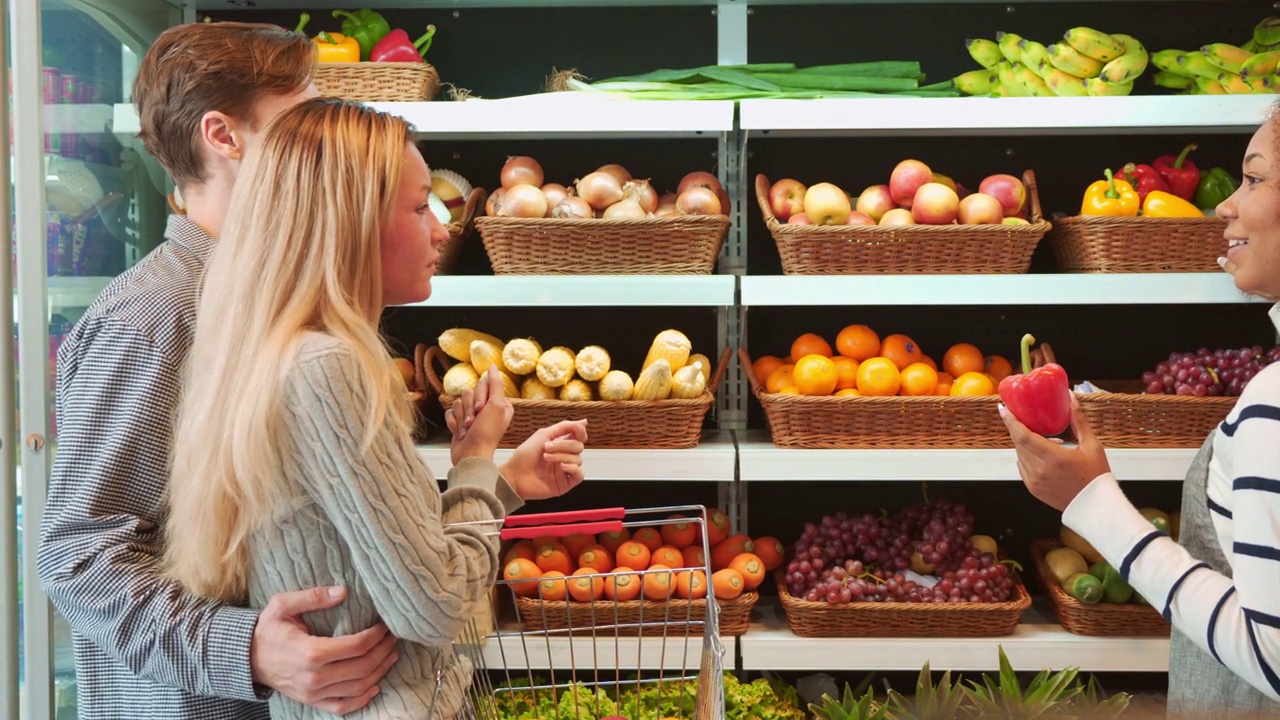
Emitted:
<point x="1053" y="472"/>
<point x="337" y="675"/>
<point x="549" y="463"/>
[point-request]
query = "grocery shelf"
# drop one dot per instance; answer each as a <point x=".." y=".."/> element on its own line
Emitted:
<point x="1006" y="116"/>
<point x="77" y="119"/>
<point x="580" y="291"/>
<point x="1038" y="643"/>
<point x="545" y="115"/>
<point x="1002" y="290"/>
<point x="713" y="460"/>
<point x="537" y="651"/>
<point x="75" y="292"/>
<point x="762" y="461"/>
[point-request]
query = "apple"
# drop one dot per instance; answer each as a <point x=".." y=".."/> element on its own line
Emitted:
<point x="786" y="198"/>
<point x="935" y="204"/>
<point x="799" y="219"/>
<point x="860" y="218"/>
<point x="826" y="204"/>
<point x="898" y="216"/>
<point x="1008" y="189"/>
<point x="406" y="369"/>
<point x="1014" y="221"/>
<point x="875" y="201"/>
<point x="906" y="179"/>
<point x="945" y="180"/>
<point x="980" y="209"/>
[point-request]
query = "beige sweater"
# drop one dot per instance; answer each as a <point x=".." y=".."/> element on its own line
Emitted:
<point x="376" y="522"/>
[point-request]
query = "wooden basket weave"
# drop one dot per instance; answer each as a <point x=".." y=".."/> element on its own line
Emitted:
<point x="1138" y="244"/>
<point x="687" y="245"/>
<point x="905" y="250"/>
<point x="1102" y="619"/>
<point x="894" y="619"/>
<point x="675" y="617"/>
<point x="378" y="81"/>
<point x="451" y="249"/>
<point x="864" y="423"/>
<point x="632" y="424"/>
<point x="1128" y="418"/>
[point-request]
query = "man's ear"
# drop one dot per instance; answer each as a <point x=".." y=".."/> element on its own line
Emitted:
<point x="221" y="135"/>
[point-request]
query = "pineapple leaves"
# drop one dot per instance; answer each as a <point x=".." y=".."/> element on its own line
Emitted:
<point x="940" y="702"/>
<point x="1005" y="698"/>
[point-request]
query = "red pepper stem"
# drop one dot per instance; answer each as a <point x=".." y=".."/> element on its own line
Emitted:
<point x="431" y="31"/>
<point x="1112" y="192"/>
<point x="1177" y="164"/>
<point x="1027" y="341"/>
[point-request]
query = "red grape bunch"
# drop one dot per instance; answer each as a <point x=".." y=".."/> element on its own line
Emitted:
<point x="1207" y="373"/>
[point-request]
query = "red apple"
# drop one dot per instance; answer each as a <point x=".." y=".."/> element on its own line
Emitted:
<point x="980" y="209"/>
<point x="860" y="218"/>
<point x="1014" y="221"/>
<point x="875" y="201"/>
<point x="786" y="198"/>
<point x="935" y="204"/>
<point x="906" y="179"/>
<point x="1008" y="189"/>
<point x="898" y="216"/>
<point x="826" y="204"/>
<point x="945" y="180"/>
<point x="799" y="219"/>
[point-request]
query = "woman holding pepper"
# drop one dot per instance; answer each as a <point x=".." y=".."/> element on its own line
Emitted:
<point x="1220" y="583"/>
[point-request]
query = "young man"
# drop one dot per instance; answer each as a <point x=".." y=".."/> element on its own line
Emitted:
<point x="143" y="648"/>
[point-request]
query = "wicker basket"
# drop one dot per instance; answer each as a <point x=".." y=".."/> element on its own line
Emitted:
<point x="1128" y="418"/>
<point x="687" y="245"/>
<point x="378" y="81"/>
<point x="633" y="424"/>
<point x="865" y="423"/>
<point x="1138" y="244"/>
<point x="894" y="619"/>
<point x="451" y="249"/>
<point x="1103" y="619"/>
<point x="905" y="250"/>
<point x="675" y="617"/>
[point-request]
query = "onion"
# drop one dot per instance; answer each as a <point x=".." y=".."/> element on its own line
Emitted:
<point x="494" y="202"/>
<point x="523" y="201"/>
<point x="644" y="194"/>
<point x="628" y="209"/>
<point x="571" y="207"/>
<point x="699" y="178"/>
<point x="555" y="192"/>
<point x="617" y="171"/>
<point x="599" y="189"/>
<point x="698" y="201"/>
<point x="521" y="170"/>
<point x="667" y="206"/>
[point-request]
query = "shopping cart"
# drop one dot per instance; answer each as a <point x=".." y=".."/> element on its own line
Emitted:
<point x="644" y="658"/>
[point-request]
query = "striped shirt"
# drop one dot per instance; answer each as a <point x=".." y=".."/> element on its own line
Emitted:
<point x="1236" y="619"/>
<point x="143" y="647"/>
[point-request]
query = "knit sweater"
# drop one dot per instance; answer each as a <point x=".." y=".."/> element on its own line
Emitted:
<point x="375" y="521"/>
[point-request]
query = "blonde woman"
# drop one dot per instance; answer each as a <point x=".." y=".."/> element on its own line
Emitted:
<point x="293" y="464"/>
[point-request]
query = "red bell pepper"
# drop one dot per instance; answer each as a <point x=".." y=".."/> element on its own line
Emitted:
<point x="1143" y="178"/>
<point x="1181" y="174"/>
<point x="1039" y="398"/>
<point x="397" y="47"/>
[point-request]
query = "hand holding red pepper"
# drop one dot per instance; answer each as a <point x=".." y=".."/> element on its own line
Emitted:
<point x="1181" y="174"/>
<point x="1039" y="398"/>
<point x="1053" y="472"/>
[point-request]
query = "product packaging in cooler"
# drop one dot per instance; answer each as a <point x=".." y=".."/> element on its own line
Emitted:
<point x="52" y="86"/>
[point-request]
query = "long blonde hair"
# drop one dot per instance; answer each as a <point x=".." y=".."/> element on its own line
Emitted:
<point x="299" y="251"/>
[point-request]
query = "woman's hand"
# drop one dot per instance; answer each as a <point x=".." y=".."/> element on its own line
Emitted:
<point x="1054" y="473"/>
<point x="549" y="463"/>
<point x="479" y="419"/>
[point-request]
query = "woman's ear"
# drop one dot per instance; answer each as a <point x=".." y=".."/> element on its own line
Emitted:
<point x="222" y="135"/>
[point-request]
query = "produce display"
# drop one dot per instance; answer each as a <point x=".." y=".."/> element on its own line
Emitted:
<point x="608" y="192"/>
<point x="1209" y="373"/>
<point x="1085" y="575"/>
<point x="1085" y="62"/>
<point x="1168" y="187"/>
<point x="671" y="369"/>
<point x="847" y="559"/>
<point x="862" y="364"/>
<point x="1223" y="68"/>
<point x="914" y="195"/>
<point x="367" y="37"/>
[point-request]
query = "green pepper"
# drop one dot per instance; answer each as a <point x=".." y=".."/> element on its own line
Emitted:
<point x="366" y="26"/>
<point x="1215" y="186"/>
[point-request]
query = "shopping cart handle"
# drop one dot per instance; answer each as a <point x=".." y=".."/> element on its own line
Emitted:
<point x="537" y="531"/>
<point x="568" y="516"/>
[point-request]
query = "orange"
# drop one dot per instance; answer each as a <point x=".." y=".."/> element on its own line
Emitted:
<point x="649" y="537"/>
<point x="717" y="526"/>
<point x="780" y="379"/>
<point x="681" y="534"/>
<point x="586" y="589"/>
<point x="930" y="362"/>
<point x="815" y="375"/>
<point x="944" y="385"/>
<point x="553" y="586"/>
<point x="846" y="372"/>
<point x="963" y="358"/>
<point x="751" y="567"/>
<point x="771" y="551"/>
<point x="633" y="555"/>
<point x="597" y="558"/>
<point x="879" y="377"/>
<point x="998" y="368"/>
<point x="919" y="379"/>
<point x="810" y="344"/>
<point x="668" y="555"/>
<point x="658" y="583"/>
<point x="521" y="569"/>
<point x="848" y="392"/>
<point x="858" y="342"/>
<point x="726" y="584"/>
<point x="623" y="587"/>
<point x="901" y="350"/>
<point x="764" y="366"/>
<point x="972" y="384"/>
<point x="789" y="390"/>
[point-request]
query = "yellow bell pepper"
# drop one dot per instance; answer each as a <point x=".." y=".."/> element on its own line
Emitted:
<point x="1163" y="204"/>
<point x="336" y="47"/>
<point x="1110" y="197"/>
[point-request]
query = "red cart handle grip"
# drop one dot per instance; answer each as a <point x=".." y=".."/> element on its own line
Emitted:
<point x="568" y="516"/>
<point x="536" y="531"/>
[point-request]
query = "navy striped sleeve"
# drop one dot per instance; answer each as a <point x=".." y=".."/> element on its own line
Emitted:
<point x="1141" y="545"/>
<point x="1213" y="622"/>
<point x="1252" y="412"/>
<point x="1168" y="603"/>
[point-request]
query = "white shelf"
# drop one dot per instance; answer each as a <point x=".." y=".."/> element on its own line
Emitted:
<point x="1006" y="116"/>
<point x="1037" y="644"/>
<point x="762" y="461"/>
<point x="537" y="651"/>
<point x="77" y="119"/>
<point x="1000" y="290"/>
<point x="546" y="115"/>
<point x="580" y="291"/>
<point x="713" y="460"/>
<point x="75" y="292"/>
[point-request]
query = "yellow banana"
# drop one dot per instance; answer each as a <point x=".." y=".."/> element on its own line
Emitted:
<point x="1261" y="64"/>
<point x="1009" y="80"/>
<point x="1008" y="43"/>
<point x="1128" y="66"/>
<point x="1031" y="81"/>
<point x="1062" y="84"/>
<point x="1209" y="86"/>
<point x="1167" y="60"/>
<point x="985" y="52"/>
<point x="1094" y="43"/>
<point x="1097" y="87"/>
<point x="1226" y="56"/>
<point x="1197" y="65"/>
<point x="997" y="90"/>
<point x="1261" y="85"/>
<point x="1234" y="84"/>
<point x="1166" y="79"/>
<point x="1034" y="55"/>
<point x="974" y="82"/>
<point x="1073" y="62"/>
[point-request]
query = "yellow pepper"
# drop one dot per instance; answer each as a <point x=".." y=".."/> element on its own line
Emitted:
<point x="1163" y="204"/>
<point x="1110" y="197"/>
<point x="336" y="47"/>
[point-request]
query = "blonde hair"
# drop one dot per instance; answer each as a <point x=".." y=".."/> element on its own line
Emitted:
<point x="299" y="252"/>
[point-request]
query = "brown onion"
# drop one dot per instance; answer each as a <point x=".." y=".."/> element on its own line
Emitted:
<point x="523" y="201"/>
<point x="572" y="207"/>
<point x="616" y="170"/>
<point x="666" y="206"/>
<point x="644" y="194"/>
<point x="698" y="201"/>
<point x="699" y="178"/>
<point x="627" y="209"/>
<point x="555" y="192"/>
<point x="599" y="189"/>
<point x="521" y="170"/>
<point x="494" y="202"/>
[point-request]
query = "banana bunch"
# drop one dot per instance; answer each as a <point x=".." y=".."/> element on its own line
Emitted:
<point x="1086" y="62"/>
<point x="1223" y="68"/>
